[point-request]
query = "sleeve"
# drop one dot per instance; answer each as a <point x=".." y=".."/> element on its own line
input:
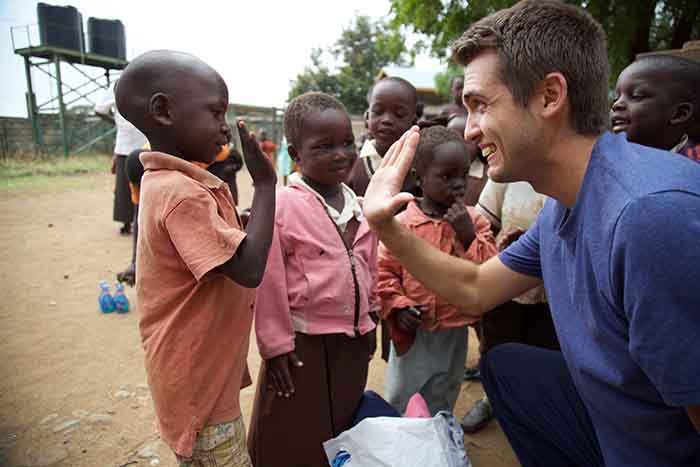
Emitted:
<point x="273" y="319"/>
<point x="523" y="255"/>
<point x="374" y="302"/>
<point x="389" y="284"/>
<point x="655" y="269"/>
<point x="491" y="202"/>
<point x="200" y="235"/>
<point x="483" y="246"/>
<point x="106" y="104"/>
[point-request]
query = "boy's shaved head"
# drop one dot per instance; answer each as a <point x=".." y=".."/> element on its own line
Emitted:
<point x="159" y="71"/>
<point x="179" y="103"/>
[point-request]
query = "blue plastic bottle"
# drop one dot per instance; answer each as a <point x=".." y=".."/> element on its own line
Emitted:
<point x="121" y="301"/>
<point x="105" y="299"/>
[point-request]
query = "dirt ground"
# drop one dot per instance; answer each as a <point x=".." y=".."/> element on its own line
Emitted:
<point x="72" y="384"/>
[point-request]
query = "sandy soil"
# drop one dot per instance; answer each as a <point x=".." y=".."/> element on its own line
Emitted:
<point x="72" y="382"/>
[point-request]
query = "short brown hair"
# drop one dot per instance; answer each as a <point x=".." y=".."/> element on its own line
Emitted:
<point x="536" y="37"/>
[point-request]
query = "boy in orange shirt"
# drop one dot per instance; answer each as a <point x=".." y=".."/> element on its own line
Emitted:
<point x="196" y="266"/>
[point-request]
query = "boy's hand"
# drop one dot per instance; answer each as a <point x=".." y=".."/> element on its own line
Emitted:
<point x="509" y="238"/>
<point x="460" y="220"/>
<point x="408" y="319"/>
<point x="279" y="375"/>
<point x="372" y="340"/>
<point x="259" y="165"/>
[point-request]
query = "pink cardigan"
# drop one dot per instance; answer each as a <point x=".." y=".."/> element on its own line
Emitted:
<point x="308" y="285"/>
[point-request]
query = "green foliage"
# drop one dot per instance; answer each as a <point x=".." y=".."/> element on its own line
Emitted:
<point x="632" y="26"/>
<point x="363" y="48"/>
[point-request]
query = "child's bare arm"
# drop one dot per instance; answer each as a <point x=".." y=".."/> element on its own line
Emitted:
<point x="247" y="266"/>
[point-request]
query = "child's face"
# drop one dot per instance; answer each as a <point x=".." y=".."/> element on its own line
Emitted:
<point x="198" y="114"/>
<point x="392" y="112"/>
<point x="643" y="107"/>
<point x="445" y="179"/>
<point x="326" y="152"/>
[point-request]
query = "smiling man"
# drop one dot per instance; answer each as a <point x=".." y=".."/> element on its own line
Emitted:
<point x="616" y="247"/>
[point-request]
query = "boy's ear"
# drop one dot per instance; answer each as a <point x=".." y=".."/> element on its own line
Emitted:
<point x="159" y="108"/>
<point x="293" y="153"/>
<point x="682" y="114"/>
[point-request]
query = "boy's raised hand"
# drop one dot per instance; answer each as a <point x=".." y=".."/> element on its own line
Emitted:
<point x="383" y="196"/>
<point x="279" y="375"/>
<point x="259" y="165"/>
<point x="408" y="319"/>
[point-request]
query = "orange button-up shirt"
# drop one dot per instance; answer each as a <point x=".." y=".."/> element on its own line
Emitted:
<point x="397" y="288"/>
<point x="195" y="322"/>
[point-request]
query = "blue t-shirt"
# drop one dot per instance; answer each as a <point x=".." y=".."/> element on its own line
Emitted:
<point x="622" y="275"/>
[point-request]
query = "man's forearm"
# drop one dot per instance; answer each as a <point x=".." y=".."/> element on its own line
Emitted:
<point x="449" y="277"/>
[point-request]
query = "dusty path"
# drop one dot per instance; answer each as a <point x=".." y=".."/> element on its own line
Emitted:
<point x="72" y="383"/>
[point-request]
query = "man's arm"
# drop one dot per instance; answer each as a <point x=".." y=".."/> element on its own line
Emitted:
<point x="460" y="282"/>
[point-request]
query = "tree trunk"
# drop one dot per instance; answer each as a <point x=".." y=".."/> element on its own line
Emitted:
<point x="639" y="42"/>
<point x="683" y="25"/>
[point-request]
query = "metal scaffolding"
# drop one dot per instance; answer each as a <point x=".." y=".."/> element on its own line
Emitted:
<point x="76" y="134"/>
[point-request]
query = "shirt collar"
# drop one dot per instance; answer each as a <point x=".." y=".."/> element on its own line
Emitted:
<point x="161" y="161"/>
<point x="681" y="144"/>
<point x="414" y="216"/>
<point x="369" y="151"/>
<point x="351" y="206"/>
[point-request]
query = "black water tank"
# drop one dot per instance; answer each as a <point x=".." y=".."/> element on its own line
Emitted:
<point x="106" y="37"/>
<point x="60" y="26"/>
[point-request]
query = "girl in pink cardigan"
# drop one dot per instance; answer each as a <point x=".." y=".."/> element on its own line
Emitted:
<point x="312" y="313"/>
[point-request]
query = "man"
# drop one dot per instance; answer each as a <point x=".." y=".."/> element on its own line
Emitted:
<point x="128" y="139"/>
<point x="616" y="246"/>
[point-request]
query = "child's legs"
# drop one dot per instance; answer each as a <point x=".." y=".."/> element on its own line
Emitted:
<point x="221" y="445"/>
<point x="433" y="366"/>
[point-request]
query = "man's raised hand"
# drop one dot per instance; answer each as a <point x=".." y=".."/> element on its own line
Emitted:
<point x="383" y="196"/>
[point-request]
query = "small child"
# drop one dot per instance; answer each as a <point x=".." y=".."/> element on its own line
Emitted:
<point x="312" y="314"/>
<point x="196" y="267"/>
<point x="392" y="111"/>
<point x="429" y="335"/>
<point x="658" y="104"/>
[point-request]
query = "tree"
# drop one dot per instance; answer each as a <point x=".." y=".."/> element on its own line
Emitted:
<point x="632" y="26"/>
<point x="363" y="48"/>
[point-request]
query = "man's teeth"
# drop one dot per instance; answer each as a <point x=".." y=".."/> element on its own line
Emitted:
<point x="487" y="151"/>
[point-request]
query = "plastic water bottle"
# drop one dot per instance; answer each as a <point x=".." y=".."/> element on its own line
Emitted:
<point x="121" y="301"/>
<point x="105" y="299"/>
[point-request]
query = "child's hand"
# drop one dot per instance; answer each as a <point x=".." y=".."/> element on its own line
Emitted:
<point x="372" y="341"/>
<point x="509" y="238"/>
<point x="460" y="220"/>
<point x="278" y="374"/>
<point x="408" y="319"/>
<point x="259" y="165"/>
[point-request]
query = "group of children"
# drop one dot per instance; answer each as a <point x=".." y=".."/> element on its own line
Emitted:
<point x="323" y="281"/>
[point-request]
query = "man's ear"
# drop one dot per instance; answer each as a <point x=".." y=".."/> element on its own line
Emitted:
<point x="553" y="93"/>
<point x="293" y="153"/>
<point x="682" y="114"/>
<point x="159" y="108"/>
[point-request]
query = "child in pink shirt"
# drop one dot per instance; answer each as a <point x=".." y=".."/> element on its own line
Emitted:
<point x="429" y="335"/>
<point x="313" y="307"/>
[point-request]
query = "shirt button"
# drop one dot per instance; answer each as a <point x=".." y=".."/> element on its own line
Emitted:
<point x="347" y="309"/>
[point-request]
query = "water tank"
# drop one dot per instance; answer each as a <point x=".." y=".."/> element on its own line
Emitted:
<point x="106" y="37"/>
<point x="60" y="26"/>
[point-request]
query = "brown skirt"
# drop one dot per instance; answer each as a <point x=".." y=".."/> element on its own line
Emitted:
<point x="328" y="389"/>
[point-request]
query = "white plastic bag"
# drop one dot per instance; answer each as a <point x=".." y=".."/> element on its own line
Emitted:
<point x="400" y="442"/>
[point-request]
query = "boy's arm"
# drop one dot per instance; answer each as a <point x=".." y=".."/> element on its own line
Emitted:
<point x="460" y="282"/>
<point x="247" y="265"/>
